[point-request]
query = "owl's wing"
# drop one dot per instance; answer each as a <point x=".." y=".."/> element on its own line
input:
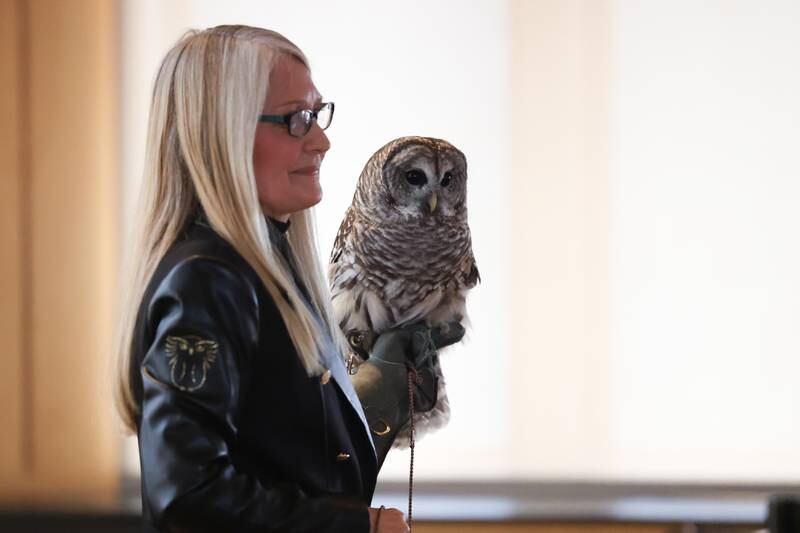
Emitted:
<point x="472" y="277"/>
<point x="358" y="307"/>
<point x="341" y="236"/>
<point x="343" y="272"/>
<point x="466" y="275"/>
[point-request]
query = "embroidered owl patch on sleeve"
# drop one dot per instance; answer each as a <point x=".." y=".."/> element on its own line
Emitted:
<point x="190" y="357"/>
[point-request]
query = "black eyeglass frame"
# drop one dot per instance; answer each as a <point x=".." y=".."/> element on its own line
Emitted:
<point x="307" y="116"/>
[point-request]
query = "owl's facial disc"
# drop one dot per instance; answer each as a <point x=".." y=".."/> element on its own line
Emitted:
<point x="425" y="182"/>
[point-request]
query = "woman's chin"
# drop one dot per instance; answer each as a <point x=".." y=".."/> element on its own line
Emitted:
<point x="313" y="198"/>
<point x="316" y="193"/>
<point x="308" y="188"/>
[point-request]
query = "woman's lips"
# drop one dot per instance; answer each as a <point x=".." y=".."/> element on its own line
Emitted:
<point x="308" y="171"/>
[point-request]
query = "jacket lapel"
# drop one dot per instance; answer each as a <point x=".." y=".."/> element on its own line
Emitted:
<point x="331" y="356"/>
<point x="339" y="374"/>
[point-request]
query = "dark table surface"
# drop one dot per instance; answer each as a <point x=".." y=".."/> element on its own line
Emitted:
<point x="481" y="501"/>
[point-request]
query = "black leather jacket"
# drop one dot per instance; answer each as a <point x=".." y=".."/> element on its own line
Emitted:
<point x="233" y="434"/>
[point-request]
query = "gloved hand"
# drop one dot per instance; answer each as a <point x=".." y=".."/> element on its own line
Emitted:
<point x="381" y="381"/>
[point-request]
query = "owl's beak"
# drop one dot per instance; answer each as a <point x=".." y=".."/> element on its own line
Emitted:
<point x="432" y="202"/>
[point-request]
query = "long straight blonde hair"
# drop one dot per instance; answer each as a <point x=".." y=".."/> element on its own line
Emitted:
<point x="207" y="97"/>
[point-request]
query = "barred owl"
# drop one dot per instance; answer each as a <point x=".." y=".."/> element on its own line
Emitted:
<point x="403" y="252"/>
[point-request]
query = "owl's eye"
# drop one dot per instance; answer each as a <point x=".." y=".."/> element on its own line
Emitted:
<point x="448" y="177"/>
<point x="416" y="177"/>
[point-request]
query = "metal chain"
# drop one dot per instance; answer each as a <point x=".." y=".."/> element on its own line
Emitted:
<point x="413" y="378"/>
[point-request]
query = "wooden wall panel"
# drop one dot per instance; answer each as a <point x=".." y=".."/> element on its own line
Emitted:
<point x="73" y="183"/>
<point x="11" y="399"/>
<point x="69" y="122"/>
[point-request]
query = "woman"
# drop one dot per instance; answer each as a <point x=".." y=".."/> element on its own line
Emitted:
<point x="231" y="367"/>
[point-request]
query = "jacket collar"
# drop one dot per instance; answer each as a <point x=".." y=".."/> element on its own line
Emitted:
<point x="281" y="227"/>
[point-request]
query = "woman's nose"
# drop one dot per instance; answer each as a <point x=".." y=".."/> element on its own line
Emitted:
<point x="317" y="139"/>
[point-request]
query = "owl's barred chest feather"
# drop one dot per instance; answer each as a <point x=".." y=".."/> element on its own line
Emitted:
<point x="398" y="259"/>
<point x="386" y="275"/>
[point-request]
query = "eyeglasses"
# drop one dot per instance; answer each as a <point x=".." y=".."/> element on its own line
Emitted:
<point x="299" y="122"/>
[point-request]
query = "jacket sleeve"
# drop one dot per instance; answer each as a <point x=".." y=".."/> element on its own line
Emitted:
<point x="204" y="317"/>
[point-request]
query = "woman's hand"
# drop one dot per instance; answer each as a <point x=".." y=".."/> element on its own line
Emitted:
<point x="390" y="521"/>
<point x="382" y="381"/>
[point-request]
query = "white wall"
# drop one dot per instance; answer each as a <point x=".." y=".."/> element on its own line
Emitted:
<point x="705" y="249"/>
<point x="560" y="221"/>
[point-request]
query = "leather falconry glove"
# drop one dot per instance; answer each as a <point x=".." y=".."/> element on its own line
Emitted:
<point x="381" y="381"/>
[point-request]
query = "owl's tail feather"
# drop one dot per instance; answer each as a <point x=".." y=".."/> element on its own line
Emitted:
<point x="427" y="422"/>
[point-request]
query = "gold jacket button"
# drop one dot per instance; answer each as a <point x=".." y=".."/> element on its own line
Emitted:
<point x="326" y="377"/>
<point x="342" y="457"/>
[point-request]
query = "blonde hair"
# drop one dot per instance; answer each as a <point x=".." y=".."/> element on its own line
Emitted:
<point x="207" y="97"/>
